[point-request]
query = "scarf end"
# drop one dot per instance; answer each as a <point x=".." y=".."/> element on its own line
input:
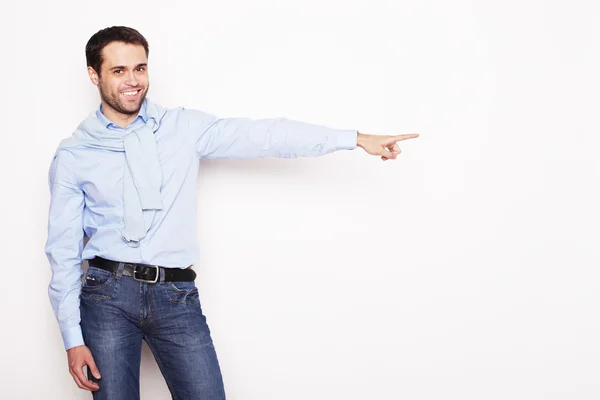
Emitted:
<point x="131" y="242"/>
<point x="150" y="198"/>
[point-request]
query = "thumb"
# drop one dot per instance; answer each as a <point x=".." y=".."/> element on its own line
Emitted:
<point x="92" y="366"/>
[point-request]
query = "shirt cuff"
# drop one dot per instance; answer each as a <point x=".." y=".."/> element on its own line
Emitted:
<point x="72" y="337"/>
<point x="347" y="139"/>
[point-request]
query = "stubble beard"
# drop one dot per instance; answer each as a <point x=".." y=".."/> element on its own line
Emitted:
<point x="114" y="101"/>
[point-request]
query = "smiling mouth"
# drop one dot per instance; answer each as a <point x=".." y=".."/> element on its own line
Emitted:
<point x="132" y="94"/>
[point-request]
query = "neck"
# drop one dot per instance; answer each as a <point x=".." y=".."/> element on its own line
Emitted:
<point x="123" y="120"/>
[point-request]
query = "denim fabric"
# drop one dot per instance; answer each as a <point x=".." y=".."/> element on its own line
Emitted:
<point x="117" y="313"/>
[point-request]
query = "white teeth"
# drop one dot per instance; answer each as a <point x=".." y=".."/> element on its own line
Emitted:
<point x="130" y="93"/>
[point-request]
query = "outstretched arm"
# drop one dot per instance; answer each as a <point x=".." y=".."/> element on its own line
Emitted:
<point x="243" y="138"/>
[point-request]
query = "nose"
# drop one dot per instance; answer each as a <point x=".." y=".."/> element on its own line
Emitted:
<point x="131" y="79"/>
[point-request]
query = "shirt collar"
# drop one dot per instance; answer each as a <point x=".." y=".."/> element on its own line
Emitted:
<point x="142" y="116"/>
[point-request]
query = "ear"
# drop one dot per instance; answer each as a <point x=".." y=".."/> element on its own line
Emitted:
<point x="93" y="76"/>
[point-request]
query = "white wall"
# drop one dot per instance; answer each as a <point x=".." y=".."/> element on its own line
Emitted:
<point x="465" y="269"/>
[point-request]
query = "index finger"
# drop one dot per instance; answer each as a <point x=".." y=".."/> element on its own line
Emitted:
<point x="407" y="136"/>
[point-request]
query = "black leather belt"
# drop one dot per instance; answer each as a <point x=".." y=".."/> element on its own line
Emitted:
<point x="144" y="272"/>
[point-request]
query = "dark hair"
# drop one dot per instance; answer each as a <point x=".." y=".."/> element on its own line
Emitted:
<point x="94" y="46"/>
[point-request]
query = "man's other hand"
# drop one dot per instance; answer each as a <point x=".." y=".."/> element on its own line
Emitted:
<point x="382" y="145"/>
<point x="78" y="357"/>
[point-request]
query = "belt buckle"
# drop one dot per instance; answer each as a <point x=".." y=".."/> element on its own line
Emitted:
<point x="146" y="280"/>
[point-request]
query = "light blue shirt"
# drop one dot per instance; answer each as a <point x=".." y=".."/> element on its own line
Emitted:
<point x="86" y="186"/>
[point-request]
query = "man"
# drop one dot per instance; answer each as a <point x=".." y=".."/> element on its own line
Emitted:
<point x="126" y="179"/>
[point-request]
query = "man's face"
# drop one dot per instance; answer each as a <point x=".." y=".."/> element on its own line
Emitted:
<point x="123" y="82"/>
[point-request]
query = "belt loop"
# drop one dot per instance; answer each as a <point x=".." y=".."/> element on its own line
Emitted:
<point x="162" y="275"/>
<point x="120" y="270"/>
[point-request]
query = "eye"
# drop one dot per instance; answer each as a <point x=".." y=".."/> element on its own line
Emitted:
<point x="116" y="71"/>
<point x="141" y="69"/>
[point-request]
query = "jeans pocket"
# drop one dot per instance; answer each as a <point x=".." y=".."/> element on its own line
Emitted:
<point x="181" y="292"/>
<point x="98" y="285"/>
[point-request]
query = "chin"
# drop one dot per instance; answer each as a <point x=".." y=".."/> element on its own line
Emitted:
<point x="133" y="106"/>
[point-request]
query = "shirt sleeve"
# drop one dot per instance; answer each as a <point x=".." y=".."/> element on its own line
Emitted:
<point x="64" y="246"/>
<point x="243" y="138"/>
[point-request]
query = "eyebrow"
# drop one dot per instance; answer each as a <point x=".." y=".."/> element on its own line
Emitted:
<point x="124" y="67"/>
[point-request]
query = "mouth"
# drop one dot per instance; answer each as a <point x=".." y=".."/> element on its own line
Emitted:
<point x="131" y="94"/>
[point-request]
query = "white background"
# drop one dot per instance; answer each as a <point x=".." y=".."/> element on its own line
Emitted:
<point x="465" y="269"/>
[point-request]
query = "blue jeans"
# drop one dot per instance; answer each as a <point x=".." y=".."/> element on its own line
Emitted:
<point x="118" y="312"/>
